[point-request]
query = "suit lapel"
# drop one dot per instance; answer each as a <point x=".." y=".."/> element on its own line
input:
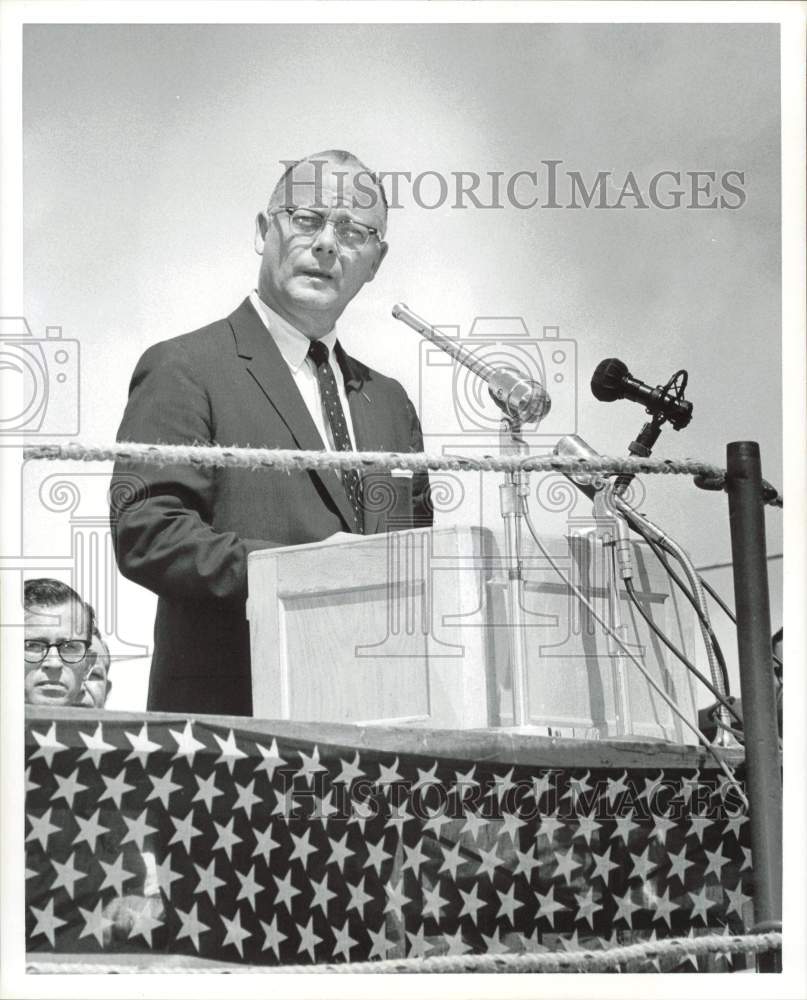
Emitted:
<point x="264" y="363"/>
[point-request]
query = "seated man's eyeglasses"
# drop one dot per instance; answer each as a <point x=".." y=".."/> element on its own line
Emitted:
<point x="70" y="651"/>
<point x="350" y="235"/>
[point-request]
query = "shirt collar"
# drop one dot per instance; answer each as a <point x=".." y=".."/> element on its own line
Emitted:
<point x="292" y="344"/>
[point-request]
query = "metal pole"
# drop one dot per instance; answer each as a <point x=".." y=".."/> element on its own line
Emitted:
<point x="747" y="521"/>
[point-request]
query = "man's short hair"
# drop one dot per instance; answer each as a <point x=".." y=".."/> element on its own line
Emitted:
<point x="338" y="156"/>
<point x="45" y="592"/>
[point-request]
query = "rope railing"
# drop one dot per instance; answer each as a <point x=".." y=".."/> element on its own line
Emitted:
<point x="621" y="958"/>
<point x="707" y="476"/>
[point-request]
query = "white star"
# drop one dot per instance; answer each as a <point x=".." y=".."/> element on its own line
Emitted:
<point x="586" y="907"/>
<point x="192" y="926"/>
<point x="230" y="753"/>
<point x="451" y="860"/>
<point x="235" y="933"/>
<point x="310" y="765"/>
<point x="185" y="831"/>
<point x="302" y="847"/>
<point x="90" y="829"/>
<point x="417" y="944"/>
<point x="343" y="942"/>
<point x="737" y="899"/>
<point x="142" y="746"/>
<point x="396" y="899"/>
<point x="566" y="864"/>
<point x="31" y="786"/>
<point x="464" y="782"/>
<point x="473" y="822"/>
<point x="489" y="861"/>
<point x="273" y="938"/>
<point x="388" y="775"/>
<point x="162" y="787"/>
<point x="414" y="858"/>
<point x="733" y="825"/>
<point x="542" y="783"/>
<point x="358" y="897"/>
<point x="138" y="829"/>
<point x="571" y="943"/>
<point x="285" y="891"/>
<point x="527" y="861"/>
<point x="655" y="962"/>
<point x="68" y="788"/>
<point x="616" y="787"/>
<point x="41" y="829"/>
<point x="625" y="907"/>
<point x="511" y="822"/>
<point x="494" y="944"/>
<point x="96" y="747"/>
<point x="531" y="943"/>
<point x="586" y="825"/>
<point x="678" y="865"/>
<point x="226" y="839"/>
<point x="340" y="852"/>
<point x="433" y="902"/>
<point x="689" y="785"/>
<point x="577" y="788"/>
<point x="308" y="939"/>
<point x="651" y="785"/>
<point x="271" y="761"/>
<point x="376" y="855"/>
<point x="716" y="861"/>
<point x="642" y="865"/>
<point x="67" y="875"/>
<point x="166" y="875"/>
<point x="187" y="745"/>
<point x="508" y="904"/>
<point x="426" y="778"/>
<point x="264" y="844"/>
<point x="116" y="788"/>
<point x="700" y="904"/>
<point x="48" y="745"/>
<point x="548" y="825"/>
<point x="455" y="944"/>
<point x="697" y="825"/>
<point x="380" y="943"/>
<point x="746" y="859"/>
<point x="285" y="806"/>
<point x="144" y="923"/>
<point x="624" y="827"/>
<point x="324" y="808"/>
<point x="322" y="894"/>
<point x="360" y="812"/>
<point x="661" y="826"/>
<point x="247" y="799"/>
<point x="548" y="906"/>
<point x="602" y="866"/>
<point x="95" y="922"/>
<point x="662" y="906"/>
<point x="207" y="790"/>
<point x="249" y="887"/>
<point x="502" y="785"/>
<point x="689" y="956"/>
<point x="471" y="902"/>
<point x="398" y="817"/>
<point x="208" y="880"/>
<point x="349" y="772"/>
<point x="437" y="819"/>
<point x="115" y="876"/>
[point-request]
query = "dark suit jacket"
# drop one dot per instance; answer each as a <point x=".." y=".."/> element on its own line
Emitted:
<point x="184" y="532"/>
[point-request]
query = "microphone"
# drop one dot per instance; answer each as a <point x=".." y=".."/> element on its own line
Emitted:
<point x="612" y="380"/>
<point x="519" y="396"/>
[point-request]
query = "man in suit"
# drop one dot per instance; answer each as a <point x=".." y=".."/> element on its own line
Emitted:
<point x="185" y="531"/>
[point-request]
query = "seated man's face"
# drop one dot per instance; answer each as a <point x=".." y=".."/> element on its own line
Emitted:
<point x="52" y="681"/>
<point x="96" y="684"/>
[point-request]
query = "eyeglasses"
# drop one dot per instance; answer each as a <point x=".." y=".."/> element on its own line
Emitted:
<point x="70" y="651"/>
<point x="349" y="234"/>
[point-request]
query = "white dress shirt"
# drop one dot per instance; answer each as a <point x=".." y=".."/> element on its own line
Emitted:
<point x="293" y="347"/>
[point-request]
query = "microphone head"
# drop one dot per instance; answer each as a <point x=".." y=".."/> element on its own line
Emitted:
<point x="607" y="380"/>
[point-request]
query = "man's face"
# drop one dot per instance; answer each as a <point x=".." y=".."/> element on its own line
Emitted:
<point x="53" y="682"/>
<point x="96" y="684"/>
<point x="310" y="279"/>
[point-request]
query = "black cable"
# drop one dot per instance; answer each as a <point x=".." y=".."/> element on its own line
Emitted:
<point x="673" y="649"/>
<point x="721" y="660"/>
<point x="715" y="596"/>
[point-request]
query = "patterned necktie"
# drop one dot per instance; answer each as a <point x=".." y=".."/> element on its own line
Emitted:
<point x="318" y="352"/>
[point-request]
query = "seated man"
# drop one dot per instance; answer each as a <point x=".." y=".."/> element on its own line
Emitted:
<point x="97" y="685"/>
<point x="59" y="629"/>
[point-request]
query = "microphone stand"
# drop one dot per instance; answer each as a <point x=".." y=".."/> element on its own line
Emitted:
<point x="513" y="493"/>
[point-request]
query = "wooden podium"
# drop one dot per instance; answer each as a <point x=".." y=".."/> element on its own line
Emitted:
<point x="410" y="628"/>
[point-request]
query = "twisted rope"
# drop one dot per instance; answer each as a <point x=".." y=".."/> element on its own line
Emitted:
<point x="286" y="460"/>
<point x="609" y="959"/>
